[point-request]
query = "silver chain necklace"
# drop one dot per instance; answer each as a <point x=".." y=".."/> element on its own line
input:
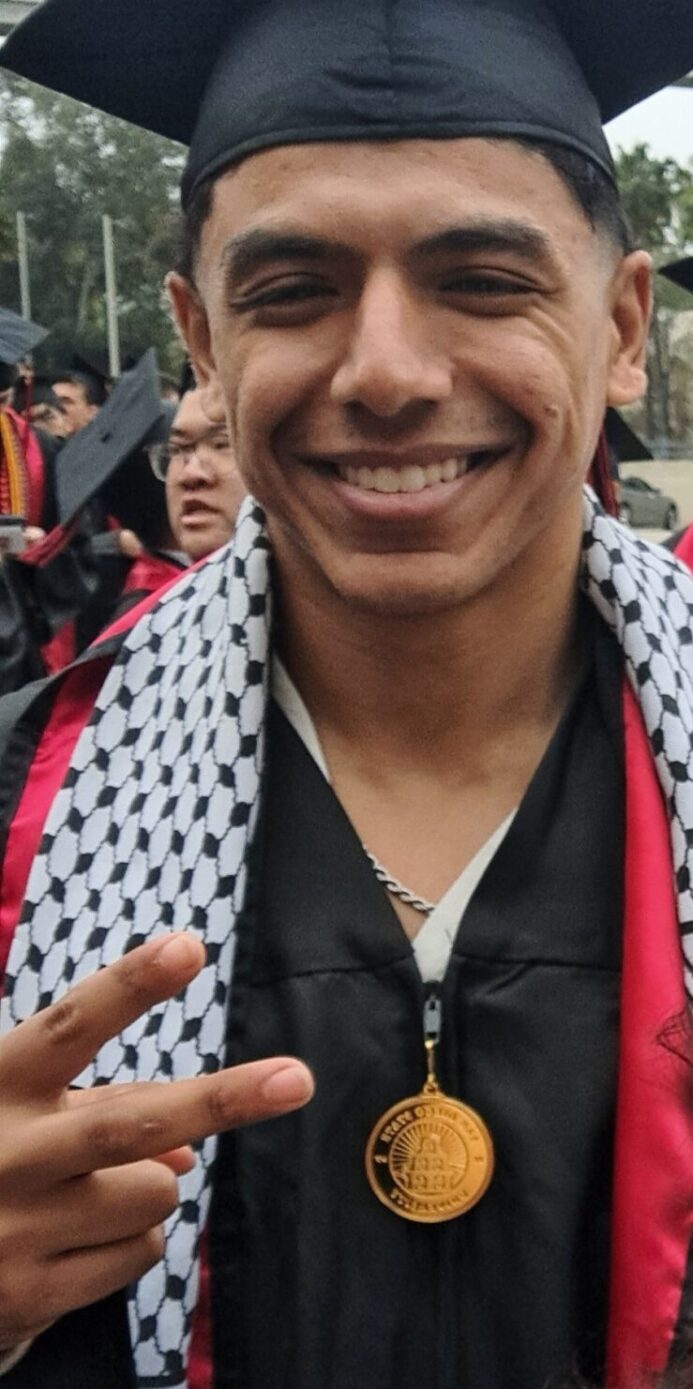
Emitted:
<point x="396" y="888"/>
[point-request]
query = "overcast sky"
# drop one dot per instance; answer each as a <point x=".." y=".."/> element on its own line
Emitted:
<point x="664" y="122"/>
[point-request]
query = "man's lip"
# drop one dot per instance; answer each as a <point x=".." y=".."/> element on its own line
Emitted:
<point x="193" y="509"/>
<point x="380" y="458"/>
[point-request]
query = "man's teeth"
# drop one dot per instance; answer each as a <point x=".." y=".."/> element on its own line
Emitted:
<point x="413" y="478"/>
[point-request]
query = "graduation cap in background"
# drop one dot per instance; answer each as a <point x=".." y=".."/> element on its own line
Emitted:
<point x="18" y="337"/>
<point x="680" y="272"/>
<point x="233" y="78"/>
<point x="131" y="417"/>
<point x="624" y="444"/>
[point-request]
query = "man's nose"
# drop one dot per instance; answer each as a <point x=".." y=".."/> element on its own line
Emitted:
<point x="197" y="470"/>
<point x="392" y="360"/>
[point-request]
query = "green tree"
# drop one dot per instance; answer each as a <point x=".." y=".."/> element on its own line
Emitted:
<point x="650" y="189"/>
<point x="657" y="195"/>
<point x="64" y="165"/>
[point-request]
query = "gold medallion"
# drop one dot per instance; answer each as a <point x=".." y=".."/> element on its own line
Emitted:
<point x="429" y="1158"/>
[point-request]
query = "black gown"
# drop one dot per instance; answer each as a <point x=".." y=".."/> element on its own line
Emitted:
<point x="316" y="1284"/>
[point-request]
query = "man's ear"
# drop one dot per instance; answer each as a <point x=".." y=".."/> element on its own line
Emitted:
<point x="193" y="326"/>
<point x="631" y="314"/>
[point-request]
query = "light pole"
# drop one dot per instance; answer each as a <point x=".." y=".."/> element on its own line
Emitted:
<point x="111" y="297"/>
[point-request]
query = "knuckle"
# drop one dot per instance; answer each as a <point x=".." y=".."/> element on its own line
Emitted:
<point x="222" y="1103"/>
<point x="64" y="1021"/>
<point x="134" y="981"/>
<point x="109" y="1138"/>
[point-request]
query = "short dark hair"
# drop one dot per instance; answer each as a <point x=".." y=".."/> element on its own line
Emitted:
<point x="596" y="195"/>
<point x="593" y="192"/>
<point x="95" y="391"/>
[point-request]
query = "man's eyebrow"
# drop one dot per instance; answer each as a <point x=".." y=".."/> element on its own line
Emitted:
<point x="518" y="238"/>
<point x="251" y="250"/>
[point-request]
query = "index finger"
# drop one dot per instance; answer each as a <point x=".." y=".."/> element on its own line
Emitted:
<point x="41" y="1056"/>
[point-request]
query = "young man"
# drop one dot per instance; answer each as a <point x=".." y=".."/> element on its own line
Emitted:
<point x="204" y="489"/>
<point x="437" y="865"/>
<point x="82" y="391"/>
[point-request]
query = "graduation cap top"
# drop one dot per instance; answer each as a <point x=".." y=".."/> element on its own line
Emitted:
<point x="680" y="272"/>
<point x="231" y="77"/>
<point x="91" y="456"/>
<point x="18" y="336"/>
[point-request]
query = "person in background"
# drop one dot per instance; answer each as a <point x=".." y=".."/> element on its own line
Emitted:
<point x="82" y="390"/>
<point x="168" y="540"/>
<point x="35" y="399"/>
<point x="57" y="596"/>
<point x="204" y="488"/>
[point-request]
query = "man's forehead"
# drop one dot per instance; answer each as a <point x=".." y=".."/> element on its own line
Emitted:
<point x="421" y="192"/>
<point x="72" y="389"/>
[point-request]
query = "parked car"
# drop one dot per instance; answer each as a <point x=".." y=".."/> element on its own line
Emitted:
<point x="641" y="504"/>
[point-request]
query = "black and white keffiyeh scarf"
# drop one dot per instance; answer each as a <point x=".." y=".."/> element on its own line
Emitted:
<point x="152" y="828"/>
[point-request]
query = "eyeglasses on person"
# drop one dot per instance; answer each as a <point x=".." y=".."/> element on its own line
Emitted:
<point x="215" y="444"/>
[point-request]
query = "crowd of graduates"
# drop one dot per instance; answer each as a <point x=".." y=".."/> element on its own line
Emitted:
<point x="108" y="490"/>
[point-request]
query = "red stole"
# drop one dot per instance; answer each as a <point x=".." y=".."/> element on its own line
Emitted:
<point x="652" y="1217"/>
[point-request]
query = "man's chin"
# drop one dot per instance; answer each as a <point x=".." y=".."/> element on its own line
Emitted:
<point x="407" y="595"/>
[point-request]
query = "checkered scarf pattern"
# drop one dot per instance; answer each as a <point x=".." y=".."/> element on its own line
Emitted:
<point x="152" y="828"/>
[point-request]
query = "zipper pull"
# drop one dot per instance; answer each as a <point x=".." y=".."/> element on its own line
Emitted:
<point x="432" y="1024"/>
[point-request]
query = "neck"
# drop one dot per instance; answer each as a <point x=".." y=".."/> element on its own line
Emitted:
<point x="444" y="687"/>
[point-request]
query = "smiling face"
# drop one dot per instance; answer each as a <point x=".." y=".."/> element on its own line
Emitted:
<point x="415" y="343"/>
<point x="203" y="486"/>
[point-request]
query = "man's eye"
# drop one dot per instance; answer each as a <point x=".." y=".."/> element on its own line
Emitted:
<point x="221" y="442"/>
<point x="486" y="284"/>
<point x="283" y="292"/>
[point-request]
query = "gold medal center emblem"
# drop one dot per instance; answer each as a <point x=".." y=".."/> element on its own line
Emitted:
<point x="430" y="1158"/>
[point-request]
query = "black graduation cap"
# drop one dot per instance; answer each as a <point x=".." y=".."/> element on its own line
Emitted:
<point x="92" y="455"/>
<point x="18" y="336"/>
<point x="626" y="446"/>
<point x="230" y="77"/>
<point x="680" y="272"/>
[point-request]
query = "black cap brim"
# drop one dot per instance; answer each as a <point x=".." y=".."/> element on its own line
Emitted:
<point x="234" y="78"/>
<point x="680" y="272"/>
<point x="625" y="444"/>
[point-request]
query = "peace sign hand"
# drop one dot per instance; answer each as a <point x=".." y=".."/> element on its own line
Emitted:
<point x="87" y="1178"/>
